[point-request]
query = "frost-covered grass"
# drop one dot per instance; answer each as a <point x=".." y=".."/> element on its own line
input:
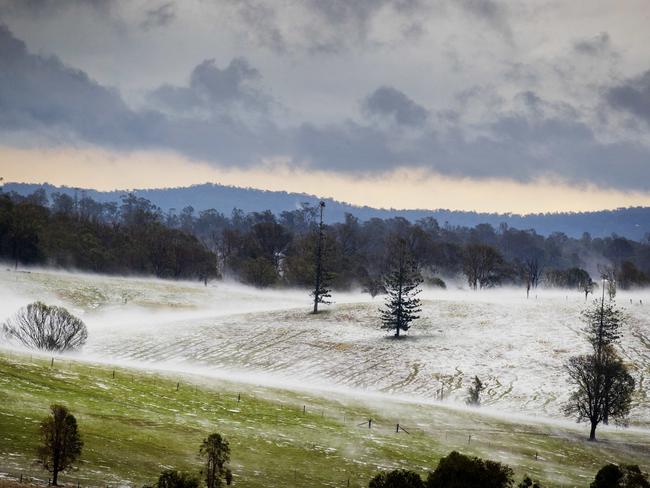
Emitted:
<point x="265" y="343"/>
<point x="138" y="423"/>
<point x="516" y="346"/>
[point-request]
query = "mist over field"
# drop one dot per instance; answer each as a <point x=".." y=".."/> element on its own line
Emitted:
<point x="517" y="346"/>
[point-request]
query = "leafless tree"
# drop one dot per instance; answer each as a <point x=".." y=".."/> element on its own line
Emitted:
<point x="532" y="269"/>
<point x="481" y="265"/>
<point x="49" y="328"/>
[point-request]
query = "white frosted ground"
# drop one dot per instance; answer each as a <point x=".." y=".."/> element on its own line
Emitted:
<point x="516" y="346"/>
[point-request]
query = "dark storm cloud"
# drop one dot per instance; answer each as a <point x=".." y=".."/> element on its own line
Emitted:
<point x="221" y="116"/>
<point x="389" y="102"/>
<point x="44" y="96"/>
<point x="159" y="16"/>
<point x="211" y="87"/>
<point x="42" y="93"/>
<point x="632" y="96"/>
<point x="50" y="7"/>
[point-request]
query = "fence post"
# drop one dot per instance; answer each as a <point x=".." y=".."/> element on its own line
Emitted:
<point x="370" y="423"/>
<point x="397" y="428"/>
<point x="469" y="439"/>
<point x="303" y="409"/>
<point x="238" y="397"/>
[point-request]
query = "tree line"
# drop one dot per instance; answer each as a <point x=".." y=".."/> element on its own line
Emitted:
<point x="264" y="249"/>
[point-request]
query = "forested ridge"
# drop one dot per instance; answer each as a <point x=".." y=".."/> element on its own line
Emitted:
<point x="134" y="236"/>
<point x="631" y="222"/>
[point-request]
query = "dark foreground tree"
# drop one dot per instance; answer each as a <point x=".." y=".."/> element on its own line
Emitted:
<point x="39" y="326"/>
<point x="474" y="392"/>
<point x="321" y="292"/>
<point x="402" y="286"/>
<point x="171" y="478"/>
<point x="603" y="322"/>
<point x="215" y="452"/>
<point x="60" y="441"/>
<point x="399" y="478"/>
<point x="603" y="389"/>
<point x="460" y="471"/>
<point x="613" y="476"/>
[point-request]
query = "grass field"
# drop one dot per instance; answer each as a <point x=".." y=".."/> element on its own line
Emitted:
<point x="137" y="423"/>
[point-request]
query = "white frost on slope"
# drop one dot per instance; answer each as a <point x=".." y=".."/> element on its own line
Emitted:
<point x="516" y="346"/>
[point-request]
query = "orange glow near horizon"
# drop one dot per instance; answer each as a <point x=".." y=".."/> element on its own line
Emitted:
<point x="403" y="188"/>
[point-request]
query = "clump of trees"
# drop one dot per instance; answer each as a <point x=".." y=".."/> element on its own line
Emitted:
<point x="44" y="327"/>
<point x="453" y="471"/>
<point x="603" y="385"/>
<point x="402" y="287"/>
<point x="214" y="453"/>
<point x="61" y="442"/>
<point x="172" y="478"/>
<point x="614" y="476"/>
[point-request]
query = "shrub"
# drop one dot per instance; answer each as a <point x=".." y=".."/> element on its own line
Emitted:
<point x="613" y="476"/>
<point x="171" y="478"/>
<point x="460" y="471"/>
<point x="399" y="478"/>
<point x="39" y="326"/>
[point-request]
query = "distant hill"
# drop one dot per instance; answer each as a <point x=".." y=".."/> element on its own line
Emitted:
<point x="633" y="222"/>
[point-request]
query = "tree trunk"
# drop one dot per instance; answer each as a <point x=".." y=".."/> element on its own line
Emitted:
<point x="397" y="331"/>
<point x="592" y="432"/>
<point x="55" y="476"/>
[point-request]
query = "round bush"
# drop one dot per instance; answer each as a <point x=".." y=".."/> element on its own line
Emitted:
<point x="48" y="328"/>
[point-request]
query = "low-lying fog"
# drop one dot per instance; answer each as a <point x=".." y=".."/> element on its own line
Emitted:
<point x="516" y="346"/>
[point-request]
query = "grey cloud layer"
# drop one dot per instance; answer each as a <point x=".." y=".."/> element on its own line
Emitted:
<point x="223" y="115"/>
<point x="632" y="96"/>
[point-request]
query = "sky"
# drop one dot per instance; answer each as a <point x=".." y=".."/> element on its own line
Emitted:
<point x="517" y="106"/>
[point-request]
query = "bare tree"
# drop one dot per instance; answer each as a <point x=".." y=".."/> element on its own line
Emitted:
<point x="61" y="442"/>
<point x="532" y="268"/>
<point x="49" y="328"/>
<point x="481" y="265"/>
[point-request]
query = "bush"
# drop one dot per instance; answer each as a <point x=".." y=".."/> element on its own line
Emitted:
<point x="170" y="478"/>
<point x="436" y="282"/>
<point x="527" y="482"/>
<point x="399" y="478"/>
<point x="39" y="326"/>
<point x="613" y="476"/>
<point x="460" y="471"/>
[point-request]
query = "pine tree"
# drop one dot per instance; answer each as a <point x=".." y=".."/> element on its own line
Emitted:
<point x="402" y="286"/>
<point x="215" y="452"/>
<point x="321" y="291"/>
